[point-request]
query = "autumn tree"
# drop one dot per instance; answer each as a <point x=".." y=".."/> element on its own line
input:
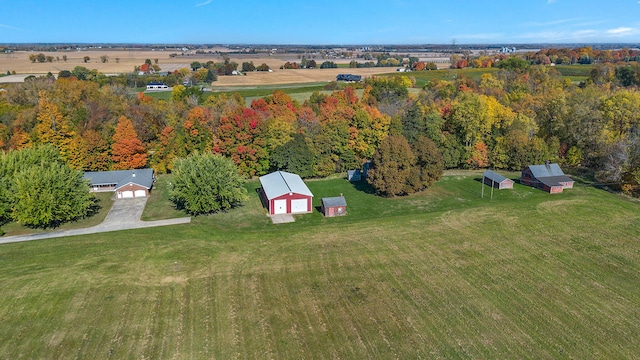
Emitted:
<point x="55" y="129"/>
<point x="429" y="165"/>
<point x="127" y="151"/>
<point x="392" y="167"/>
<point x="97" y="156"/>
<point x="239" y="136"/>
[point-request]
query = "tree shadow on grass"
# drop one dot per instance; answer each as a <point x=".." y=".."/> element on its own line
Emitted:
<point x="364" y="187"/>
<point x="258" y="191"/>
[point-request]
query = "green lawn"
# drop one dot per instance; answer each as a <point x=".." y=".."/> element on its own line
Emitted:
<point x="103" y="204"/>
<point x="441" y="274"/>
<point x="423" y="77"/>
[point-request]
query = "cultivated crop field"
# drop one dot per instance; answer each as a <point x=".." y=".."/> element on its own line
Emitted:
<point x="441" y="274"/>
<point x="121" y="61"/>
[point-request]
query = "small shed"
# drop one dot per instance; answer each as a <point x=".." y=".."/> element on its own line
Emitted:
<point x="285" y="193"/>
<point x="496" y="180"/>
<point x="354" y="175"/>
<point x="334" y="206"/>
<point x="548" y="177"/>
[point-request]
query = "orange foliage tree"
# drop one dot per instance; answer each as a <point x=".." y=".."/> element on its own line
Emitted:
<point x="127" y="151"/>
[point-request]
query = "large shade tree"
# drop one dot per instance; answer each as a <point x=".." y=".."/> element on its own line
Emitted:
<point x="206" y="183"/>
<point x="392" y="167"/>
<point x="41" y="190"/>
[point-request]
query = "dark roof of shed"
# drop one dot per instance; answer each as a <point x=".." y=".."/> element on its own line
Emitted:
<point x="119" y="178"/>
<point x="554" y="180"/>
<point x="495" y="176"/>
<point x="334" y="201"/>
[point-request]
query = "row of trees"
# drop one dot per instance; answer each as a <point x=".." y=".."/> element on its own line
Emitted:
<point x="521" y="115"/>
<point x="249" y="66"/>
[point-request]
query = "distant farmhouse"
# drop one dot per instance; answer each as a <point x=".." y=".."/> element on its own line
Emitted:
<point x="348" y="77"/>
<point x="548" y="177"/>
<point x="127" y="184"/>
<point x="157" y="86"/>
<point x="285" y="193"/>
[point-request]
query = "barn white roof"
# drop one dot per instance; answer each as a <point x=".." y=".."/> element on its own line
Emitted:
<point x="280" y="183"/>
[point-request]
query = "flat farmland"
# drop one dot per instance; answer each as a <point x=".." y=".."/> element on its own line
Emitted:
<point x="442" y="274"/>
<point x="120" y="61"/>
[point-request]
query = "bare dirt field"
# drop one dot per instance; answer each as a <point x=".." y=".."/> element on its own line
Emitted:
<point x="120" y="61"/>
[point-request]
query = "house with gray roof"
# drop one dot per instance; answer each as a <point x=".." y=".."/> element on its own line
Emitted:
<point x="548" y="177"/>
<point x="285" y="193"/>
<point x="126" y="184"/>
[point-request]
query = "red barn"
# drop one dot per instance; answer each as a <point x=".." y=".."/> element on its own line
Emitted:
<point x="285" y="193"/>
<point x="548" y="177"/>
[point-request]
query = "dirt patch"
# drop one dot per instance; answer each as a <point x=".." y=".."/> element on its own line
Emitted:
<point x="174" y="280"/>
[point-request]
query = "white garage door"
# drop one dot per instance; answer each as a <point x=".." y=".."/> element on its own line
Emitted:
<point x="280" y="206"/>
<point x="140" y="193"/>
<point x="299" y="205"/>
<point x="127" y="194"/>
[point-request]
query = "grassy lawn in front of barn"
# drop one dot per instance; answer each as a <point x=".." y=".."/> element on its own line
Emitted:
<point x="440" y="274"/>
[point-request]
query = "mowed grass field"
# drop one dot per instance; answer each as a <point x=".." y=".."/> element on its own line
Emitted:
<point x="438" y="275"/>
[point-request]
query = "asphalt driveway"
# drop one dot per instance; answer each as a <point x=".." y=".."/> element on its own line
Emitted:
<point x="124" y="215"/>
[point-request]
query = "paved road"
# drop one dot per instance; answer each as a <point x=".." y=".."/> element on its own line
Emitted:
<point x="124" y="214"/>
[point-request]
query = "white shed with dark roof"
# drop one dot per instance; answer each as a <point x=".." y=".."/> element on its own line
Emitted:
<point x="285" y="193"/>
<point x="126" y="184"/>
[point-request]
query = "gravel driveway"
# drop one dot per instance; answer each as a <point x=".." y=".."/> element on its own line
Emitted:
<point x="124" y="214"/>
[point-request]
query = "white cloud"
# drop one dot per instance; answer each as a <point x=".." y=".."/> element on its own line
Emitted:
<point x="551" y="1"/>
<point x="207" y="2"/>
<point x="621" y="31"/>
<point x="583" y="34"/>
<point x="9" y="27"/>
<point x="548" y="23"/>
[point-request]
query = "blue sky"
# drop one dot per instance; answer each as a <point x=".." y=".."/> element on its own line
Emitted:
<point x="321" y="22"/>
